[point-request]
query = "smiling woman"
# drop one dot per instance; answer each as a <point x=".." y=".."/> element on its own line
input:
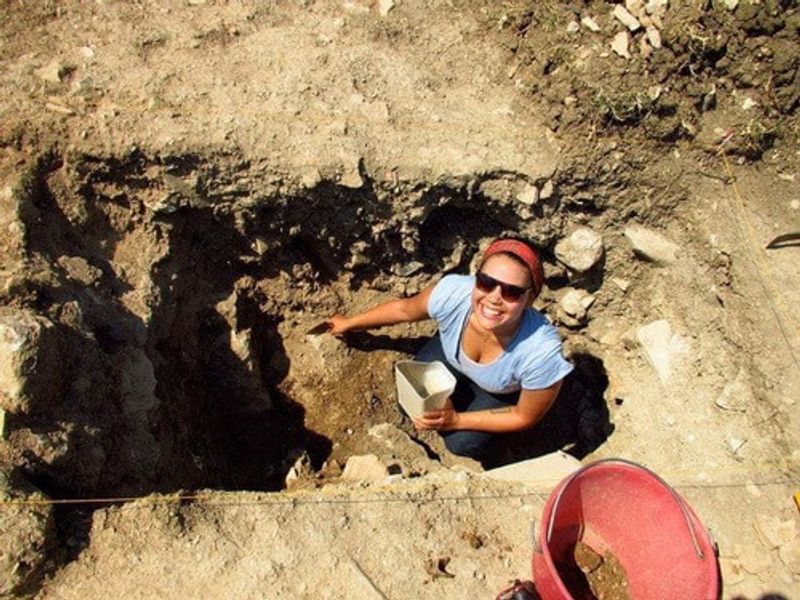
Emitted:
<point x="506" y="356"/>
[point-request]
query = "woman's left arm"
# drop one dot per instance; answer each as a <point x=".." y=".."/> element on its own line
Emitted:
<point x="531" y="407"/>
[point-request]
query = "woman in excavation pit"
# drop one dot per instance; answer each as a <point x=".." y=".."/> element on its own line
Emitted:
<point x="506" y="356"/>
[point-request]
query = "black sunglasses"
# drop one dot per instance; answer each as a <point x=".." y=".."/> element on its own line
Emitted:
<point x="509" y="292"/>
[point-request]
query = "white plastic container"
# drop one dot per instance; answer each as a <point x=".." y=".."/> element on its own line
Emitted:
<point x="423" y="386"/>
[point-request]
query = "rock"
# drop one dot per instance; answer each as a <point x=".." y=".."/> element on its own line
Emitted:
<point x="310" y="178"/>
<point x="54" y="71"/>
<point x="28" y="535"/>
<point x="622" y="284"/>
<point x="529" y="195"/>
<point x="547" y="190"/>
<point x="365" y="468"/>
<point x="32" y="369"/>
<point x="590" y="24"/>
<point x="351" y="173"/>
<point x="748" y="103"/>
<point x="573" y="27"/>
<point x="408" y="269"/>
<point x="260" y="246"/>
<point x="738" y="394"/>
<point x="394" y="445"/>
<point x="626" y="18"/>
<point x="654" y="37"/>
<point x="773" y="532"/>
<point x="620" y="44"/>
<point x="547" y="470"/>
<point x="662" y="347"/>
<point x="385" y="6"/>
<point x="731" y="4"/>
<point x="301" y="472"/>
<point x="581" y="250"/>
<point x="734" y="445"/>
<point x="500" y="190"/>
<point x="78" y="269"/>
<point x="651" y="246"/>
<point x="574" y="303"/>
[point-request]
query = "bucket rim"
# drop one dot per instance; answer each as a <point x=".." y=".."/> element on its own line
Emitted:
<point x="542" y="547"/>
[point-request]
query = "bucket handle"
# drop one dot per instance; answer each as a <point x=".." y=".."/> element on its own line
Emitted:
<point x="681" y="504"/>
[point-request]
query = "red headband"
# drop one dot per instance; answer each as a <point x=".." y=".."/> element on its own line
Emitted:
<point x="523" y="252"/>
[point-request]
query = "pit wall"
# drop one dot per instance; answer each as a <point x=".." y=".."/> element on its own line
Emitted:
<point x="142" y="305"/>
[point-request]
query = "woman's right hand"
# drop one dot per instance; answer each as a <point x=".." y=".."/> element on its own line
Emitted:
<point x="338" y="324"/>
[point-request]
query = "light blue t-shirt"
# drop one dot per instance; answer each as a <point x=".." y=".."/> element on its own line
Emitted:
<point x="533" y="359"/>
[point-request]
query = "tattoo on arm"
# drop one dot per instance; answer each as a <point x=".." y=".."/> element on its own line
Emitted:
<point x="504" y="409"/>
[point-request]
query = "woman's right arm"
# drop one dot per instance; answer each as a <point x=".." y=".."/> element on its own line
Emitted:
<point x="401" y="310"/>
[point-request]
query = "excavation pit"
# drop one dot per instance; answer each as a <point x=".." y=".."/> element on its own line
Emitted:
<point x="175" y="298"/>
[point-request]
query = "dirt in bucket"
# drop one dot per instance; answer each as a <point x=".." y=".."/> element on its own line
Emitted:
<point x="594" y="576"/>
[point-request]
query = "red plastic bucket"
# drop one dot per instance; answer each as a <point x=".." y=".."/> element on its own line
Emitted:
<point x="621" y="507"/>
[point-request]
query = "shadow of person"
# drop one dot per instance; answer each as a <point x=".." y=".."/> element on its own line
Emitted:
<point x="577" y="423"/>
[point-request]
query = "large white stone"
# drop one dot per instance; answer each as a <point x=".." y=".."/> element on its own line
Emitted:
<point x="365" y="468"/>
<point x="662" y="347"/>
<point x="626" y="18"/>
<point x="651" y="245"/>
<point x="580" y="250"/>
<point x="547" y="470"/>
<point x="620" y="44"/>
<point x="573" y="306"/>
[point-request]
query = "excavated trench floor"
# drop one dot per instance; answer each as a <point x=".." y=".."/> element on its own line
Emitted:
<point x="181" y="293"/>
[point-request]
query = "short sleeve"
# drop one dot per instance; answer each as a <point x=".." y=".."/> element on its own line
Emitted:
<point x="448" y="296"/>
<point x="547" y="366"/>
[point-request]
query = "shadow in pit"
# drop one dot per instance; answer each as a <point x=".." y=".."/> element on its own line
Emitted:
<point x="577" y="423"/>
<point x="252" y="431"/>
<point x="369" y="342"/>
<point x="163" y="404"/>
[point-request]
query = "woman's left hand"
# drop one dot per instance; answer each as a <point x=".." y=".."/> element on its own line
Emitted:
<point x="444" y="419"/>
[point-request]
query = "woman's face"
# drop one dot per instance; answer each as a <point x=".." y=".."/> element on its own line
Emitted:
<point x="492" y="311"/>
